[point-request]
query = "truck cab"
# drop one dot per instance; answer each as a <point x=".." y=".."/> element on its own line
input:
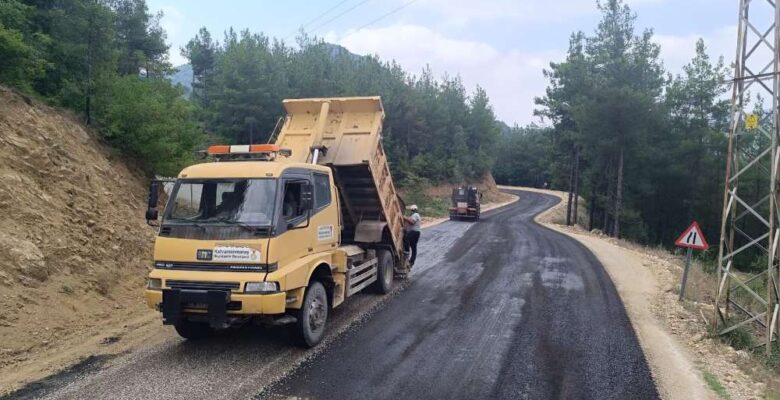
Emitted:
<point x="263" y="235"/>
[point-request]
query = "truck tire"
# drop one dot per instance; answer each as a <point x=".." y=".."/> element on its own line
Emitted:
<point x="193" y="330"/>
<point x="385" y="272"/>
<point x="311" y="318"/>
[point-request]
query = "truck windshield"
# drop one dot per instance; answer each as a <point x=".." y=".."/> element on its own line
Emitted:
<point x="222" y="201"/>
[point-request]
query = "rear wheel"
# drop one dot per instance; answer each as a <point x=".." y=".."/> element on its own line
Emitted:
<point x="193" y="330"/>
<point x="311" y="318"/>
<point x="384" y="272"/>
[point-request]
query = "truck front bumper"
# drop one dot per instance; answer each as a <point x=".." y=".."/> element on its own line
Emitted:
<point x="217" y="305"/>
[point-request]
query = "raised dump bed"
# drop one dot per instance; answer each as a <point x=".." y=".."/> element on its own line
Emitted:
<point x="346" y="134"/>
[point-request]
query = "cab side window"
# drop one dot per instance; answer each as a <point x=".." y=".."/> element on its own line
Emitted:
<point x="321" y="190"/>
<point x="291" y="203"/>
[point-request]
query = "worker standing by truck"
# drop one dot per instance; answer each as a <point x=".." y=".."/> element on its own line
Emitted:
<point x="412" y="233"/>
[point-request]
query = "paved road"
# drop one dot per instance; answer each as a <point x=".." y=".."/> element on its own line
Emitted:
<point x="512" y="310"/>
<point x="499" y="309"/>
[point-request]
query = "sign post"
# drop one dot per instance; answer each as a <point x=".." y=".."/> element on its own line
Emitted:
<point x="692" y="239"/>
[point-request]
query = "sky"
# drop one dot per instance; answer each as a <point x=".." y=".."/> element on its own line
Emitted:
<point x="500" y="45"/>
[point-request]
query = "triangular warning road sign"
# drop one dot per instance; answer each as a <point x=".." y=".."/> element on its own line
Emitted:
<point x="693" y="238"/>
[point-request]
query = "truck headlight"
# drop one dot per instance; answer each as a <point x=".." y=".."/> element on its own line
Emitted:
<point x="154" y="283"/>
<point x="261" y="287"/>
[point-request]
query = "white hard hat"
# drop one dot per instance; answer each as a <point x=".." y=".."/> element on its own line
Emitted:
<point x="413" y="207"/>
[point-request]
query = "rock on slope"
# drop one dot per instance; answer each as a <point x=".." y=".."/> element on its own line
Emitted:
<point x="74" y="247"/>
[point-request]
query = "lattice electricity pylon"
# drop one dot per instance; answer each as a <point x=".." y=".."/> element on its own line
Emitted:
<point x="750" y="230"/>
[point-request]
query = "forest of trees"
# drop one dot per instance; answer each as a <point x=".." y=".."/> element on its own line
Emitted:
<point x="107" y="60"/>
<point x="434" y="130"/>
<point x="645" y="149"/>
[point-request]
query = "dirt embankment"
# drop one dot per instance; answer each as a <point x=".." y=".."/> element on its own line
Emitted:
<point x="685" y="361"/>
<point x="74" y="247"/>
<point x="487" y="186"/>
<point x="434" y="201"/>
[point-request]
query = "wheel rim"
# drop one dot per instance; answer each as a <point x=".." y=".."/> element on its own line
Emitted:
<point x="317" y="312"/>
<point x="388" y="275"/>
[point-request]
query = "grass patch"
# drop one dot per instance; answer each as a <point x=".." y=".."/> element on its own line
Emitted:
<point x="714" y="383"/>
<point x="772" y="394"/>
<point x="430" y="206"/>
<point x="434" y="207"/>
<point x="773" y="359"/>
<point x="739" y="339"/>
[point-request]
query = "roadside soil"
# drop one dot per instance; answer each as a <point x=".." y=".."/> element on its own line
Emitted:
<point x="685" y="361"/>
<point x="74" y="248"/>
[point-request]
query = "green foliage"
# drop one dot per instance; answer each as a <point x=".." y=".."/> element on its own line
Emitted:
<point x="244" y="96"/>
<point x="651" y="148"/>
<point x="739" y="339"/>
<point x="523" y="157"/>
<point x="148" y="119"/>
<point x="202" y="52"/>
<point x="140" y="40"/>
<point x="714" y="383"/>
<point x="414" y="193"/>
<point x="89" y="56"/>
<point x="433" y="128"/>
<point x="21" y="58"/>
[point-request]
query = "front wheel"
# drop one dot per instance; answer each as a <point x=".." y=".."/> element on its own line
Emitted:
<point x="310" y="326"/>
<point x="193" y="330"/>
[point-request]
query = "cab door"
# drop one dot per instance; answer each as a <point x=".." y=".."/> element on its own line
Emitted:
<point x="325" y="215"/>
<point x="293" y="233"/>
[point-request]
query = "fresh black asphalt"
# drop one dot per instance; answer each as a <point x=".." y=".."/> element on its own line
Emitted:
<point x="512" y="310"/>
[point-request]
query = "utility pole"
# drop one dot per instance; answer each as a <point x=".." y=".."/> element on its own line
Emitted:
<point x="750" y="221"/>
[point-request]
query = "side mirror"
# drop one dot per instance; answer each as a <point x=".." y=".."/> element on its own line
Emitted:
<point x="151" y="212"/>
<point x="307" y="197"/>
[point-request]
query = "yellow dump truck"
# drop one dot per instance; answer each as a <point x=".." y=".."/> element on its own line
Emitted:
<point x="280" y="233"/>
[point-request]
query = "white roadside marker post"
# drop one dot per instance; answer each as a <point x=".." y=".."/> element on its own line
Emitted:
<point x="692" y="239"/>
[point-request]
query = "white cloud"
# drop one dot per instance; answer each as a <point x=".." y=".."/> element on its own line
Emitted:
<point x="462" y="12"/>
<point x="173" y="21"/>
<point x="676" y="51"/>
<point x="511" y="78"/>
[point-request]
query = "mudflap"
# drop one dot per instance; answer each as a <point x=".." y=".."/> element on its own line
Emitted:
<point x="175" y="300"/>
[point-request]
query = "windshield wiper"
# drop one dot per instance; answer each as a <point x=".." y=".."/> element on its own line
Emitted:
<point x="187" y="223"/>
<point x="237" y="223"/>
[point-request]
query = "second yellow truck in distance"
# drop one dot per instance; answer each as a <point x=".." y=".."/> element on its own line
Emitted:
<point x="281" y="233"/>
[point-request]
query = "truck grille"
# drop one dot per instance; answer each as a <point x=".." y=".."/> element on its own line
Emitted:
<point x="196" y="285"/>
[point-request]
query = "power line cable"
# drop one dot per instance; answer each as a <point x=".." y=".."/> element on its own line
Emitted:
<point x="315" y="29"/>
<point x="318" y="17"/>
<point x="389" y="13"/>
<point x="383" y="16"/>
